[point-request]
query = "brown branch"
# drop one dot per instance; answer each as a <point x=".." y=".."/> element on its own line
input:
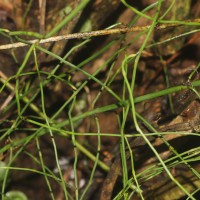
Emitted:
<point x="94" y="34"/>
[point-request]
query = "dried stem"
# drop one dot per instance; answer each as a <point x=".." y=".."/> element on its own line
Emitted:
<point x="95" y="34"/>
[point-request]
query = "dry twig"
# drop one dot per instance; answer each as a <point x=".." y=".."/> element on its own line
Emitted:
<point x="93" y="34"/>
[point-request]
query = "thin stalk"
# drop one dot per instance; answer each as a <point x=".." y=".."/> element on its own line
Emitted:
<point x="83" y="35"/>
<point x="75" y="149"/>
<point x="49" y="128"/>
